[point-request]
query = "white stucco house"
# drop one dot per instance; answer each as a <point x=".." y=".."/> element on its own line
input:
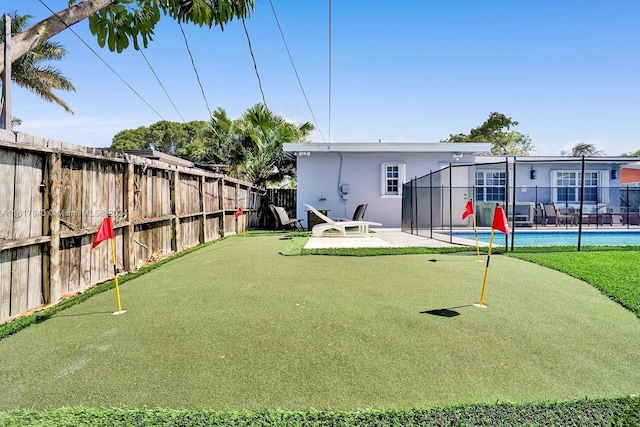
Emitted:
<point x="337" y="177"/>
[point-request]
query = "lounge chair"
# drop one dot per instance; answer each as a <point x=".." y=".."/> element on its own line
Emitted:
<point x="341" y="226"/>
<point x="282" y="219"/>
<point x="358" y="214"/>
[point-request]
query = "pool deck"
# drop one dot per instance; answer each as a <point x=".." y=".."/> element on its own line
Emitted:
<point x="386" y="238"/>
<point x="395" y="238"/>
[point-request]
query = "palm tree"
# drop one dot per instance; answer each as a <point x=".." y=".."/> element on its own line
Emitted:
<point x="30" y="72"/>
<point x="583" y="149"/>
<point x="252" y="144"/>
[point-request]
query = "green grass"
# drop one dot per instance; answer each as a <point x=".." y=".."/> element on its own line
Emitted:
<point x="236" y="326"/>
<point x="614" y="272"/>
<point x="604" y="412"/>
<point x="235" y="334"/>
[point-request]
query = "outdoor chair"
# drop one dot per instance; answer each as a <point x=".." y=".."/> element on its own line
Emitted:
<point x="554" y="216"/>
<point x="341" y="226"/>
<point x="282" y="220"/>
<point x="539" y="217"/>
<point x="550" y="213"/>
<point x="569" y="217"/>
<point x="358" y="214"/>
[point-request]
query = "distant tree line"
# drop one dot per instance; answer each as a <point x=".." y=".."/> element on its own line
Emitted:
<point x="250" y="144"/>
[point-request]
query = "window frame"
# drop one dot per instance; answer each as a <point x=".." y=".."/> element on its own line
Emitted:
<point x="572" y="180"/>
<point x="502" y="183"/>
<point x="385" y="179"/>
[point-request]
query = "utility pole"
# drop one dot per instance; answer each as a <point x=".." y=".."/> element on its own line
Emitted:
<point x="5" y="115"/>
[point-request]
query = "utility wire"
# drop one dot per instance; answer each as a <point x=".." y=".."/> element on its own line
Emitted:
<point x="295" y="70"/>
<point x="161" y="85"/>
<point x="193" y="64"/>
<point x="329" y="72"/>
<point x="255" y="66"/>
<point x="103" y="61"/>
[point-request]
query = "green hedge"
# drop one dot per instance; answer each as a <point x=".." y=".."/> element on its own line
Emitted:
<point x="604" y="412"/>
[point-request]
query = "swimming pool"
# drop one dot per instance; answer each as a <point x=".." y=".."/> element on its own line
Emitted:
<point x="559" y="238"/>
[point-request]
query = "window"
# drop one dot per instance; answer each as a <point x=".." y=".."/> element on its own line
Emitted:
<point x="393" y="176"/>
<point x="567" y="185"/>
<point x="490" y="186"/>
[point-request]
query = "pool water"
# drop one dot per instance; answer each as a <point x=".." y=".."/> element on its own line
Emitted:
<point x="558" y="238"/>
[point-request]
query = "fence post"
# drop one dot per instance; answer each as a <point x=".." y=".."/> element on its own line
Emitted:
<point x="175" y="196"/>
<point x="506" y="196"/>
<point x="431" y="204"/>
<point x="411" y="206"/>
<point x="513" y="205"/>
<point x="450" y="204"/>
<point x="582" y="206"/>
<point x="223" y="228"/>
<point x="129" y="230"/>
<point x="52" y="280"/>
<point x="203" y="217"/>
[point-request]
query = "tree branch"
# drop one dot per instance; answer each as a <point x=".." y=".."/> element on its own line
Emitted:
<point x="51" y="26"/>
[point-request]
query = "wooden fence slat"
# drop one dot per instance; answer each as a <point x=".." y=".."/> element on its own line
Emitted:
<point x="5" y="283"/>
<point x="37" y="193"/>
<point x="22" y="203"/>
<point x="72" y="216"/>
<point x="34" y="285"/>
<point x="84" y="261"/>
<point x="65" y="268"/>
<point x="20" y="270"/>
<point x="7" y="186"/>
<point x="52" y="280"/>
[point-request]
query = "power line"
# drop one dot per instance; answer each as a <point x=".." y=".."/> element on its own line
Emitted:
<point x="193" y="64"/>
<point x="295" y="70"/>
<point x="329" y="71"/>
<point x="103" y="61"/>
<point x="161" y="85"/>
<point x="253" y="58"/>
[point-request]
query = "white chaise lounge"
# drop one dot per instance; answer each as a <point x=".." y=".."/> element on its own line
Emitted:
<point x="341" y="226"/>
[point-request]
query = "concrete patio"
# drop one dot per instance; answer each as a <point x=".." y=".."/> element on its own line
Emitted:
<point x="384" y="238"/>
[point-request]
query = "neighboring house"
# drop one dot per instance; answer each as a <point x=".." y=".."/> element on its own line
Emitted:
<point x="554" y="179"/>
<point x="338" y="177"/>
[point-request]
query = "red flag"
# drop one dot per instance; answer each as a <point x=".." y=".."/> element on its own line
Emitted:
<point x="468" y="209"/>
<point x="238" y="212"/>
<point x="500" y="220"/>
<point x="105" y="231"/>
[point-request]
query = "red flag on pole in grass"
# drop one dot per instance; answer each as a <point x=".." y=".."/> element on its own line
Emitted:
<point x="468" y="209"/>
<point x="238" y="214"/>
<point x="105" y="232"/>
<point x="499" y="223"/>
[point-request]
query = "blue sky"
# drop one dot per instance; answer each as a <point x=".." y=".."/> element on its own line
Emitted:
<point x="408" y="71"/>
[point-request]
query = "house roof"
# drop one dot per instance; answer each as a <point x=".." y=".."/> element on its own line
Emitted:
<point x="558" y="159"/>
<point x="389" y="147"/>
<point x="158" y="155"/>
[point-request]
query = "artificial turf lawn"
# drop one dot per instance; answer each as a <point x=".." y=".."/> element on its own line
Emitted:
<point x="614" y="273"/>
<point x="235" y="325"/>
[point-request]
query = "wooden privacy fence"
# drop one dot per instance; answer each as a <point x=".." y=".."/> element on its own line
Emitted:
<point x="53" y="197"/>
